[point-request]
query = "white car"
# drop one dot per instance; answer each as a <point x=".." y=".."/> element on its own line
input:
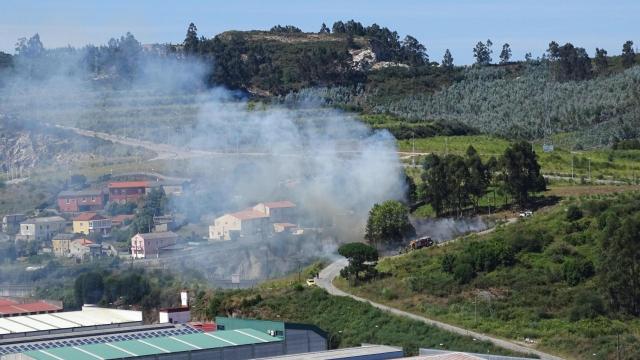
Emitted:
<point x="526" y="213"/>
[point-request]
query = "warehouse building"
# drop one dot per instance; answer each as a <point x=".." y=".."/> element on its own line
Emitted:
<point x="232" y="339"/>
<point x="89" y="318"/>
<point x="14" y="307"/>
<point x="436" y="354"/>
<point x="364" y="352"/>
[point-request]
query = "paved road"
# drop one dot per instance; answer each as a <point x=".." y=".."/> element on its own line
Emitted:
<point x="330" y="272"/>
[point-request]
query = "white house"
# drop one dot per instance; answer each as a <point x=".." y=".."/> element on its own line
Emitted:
<point x="245" y="223"/>
<point x="149" y="245"/>
<point x="41" y="229"/>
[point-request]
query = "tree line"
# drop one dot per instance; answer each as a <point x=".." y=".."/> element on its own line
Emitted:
<point x="451" y="183"/>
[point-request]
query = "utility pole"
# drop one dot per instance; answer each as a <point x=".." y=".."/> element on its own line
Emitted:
<point x="572" y="168"/>
<point x="475" y="309"/>
<point x="589" y="170"/>
<point x="413" y="150"/>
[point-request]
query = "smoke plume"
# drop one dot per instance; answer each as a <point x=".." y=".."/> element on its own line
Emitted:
<point x="238" y="152"/>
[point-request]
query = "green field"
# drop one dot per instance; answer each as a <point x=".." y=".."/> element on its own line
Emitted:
<point x="621" y="165"/>
<point x="535" y="295"/>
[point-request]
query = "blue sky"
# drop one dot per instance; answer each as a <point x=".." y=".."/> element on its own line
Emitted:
<point x="457" y="25"/>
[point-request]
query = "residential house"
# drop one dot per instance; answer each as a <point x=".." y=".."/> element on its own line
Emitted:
<point x="278" y="211"/>
<point x="41" y="229"/>
<point x="128" y="191"/>
<point x="61" y="244"/>
<point x="149" y="245"/>
<point x="11" y="223"/>
<point x="79" y="248"/>
<point x="86" y="223"/>
<point x="247" y="223"/>
<point x="73" y="201"/>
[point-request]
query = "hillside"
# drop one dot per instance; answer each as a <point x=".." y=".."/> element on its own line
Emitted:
<point x="564" y="96"/>
<point x="559" y="279"/>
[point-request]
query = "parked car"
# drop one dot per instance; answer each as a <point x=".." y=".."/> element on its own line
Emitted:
<point x="311" y="282"/>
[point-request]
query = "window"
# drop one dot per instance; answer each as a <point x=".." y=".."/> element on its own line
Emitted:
<point x="93" y="198"/>
<point x="84" y="199"/>
<point x="66" y="201"/>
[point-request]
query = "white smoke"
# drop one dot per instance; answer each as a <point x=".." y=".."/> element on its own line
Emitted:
<point x="449" y="228"/>
<point x="324" y="160"/>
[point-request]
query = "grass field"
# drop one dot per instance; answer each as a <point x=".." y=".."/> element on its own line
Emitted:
<point x="622" y="165"/>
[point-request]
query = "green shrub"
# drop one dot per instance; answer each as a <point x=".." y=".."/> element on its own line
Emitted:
<point x="576" y="270"/>
<point x="389" y="294"/>
<point x="448" y="262"/>
<point x="587" y="305"/>
<point x="574" y="213"/>
<point x="463" y="273"/>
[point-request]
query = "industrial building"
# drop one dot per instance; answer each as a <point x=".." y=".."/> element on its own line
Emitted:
<point x="436" y="354"/>
<point x="50" y="320"/>
<point x="15" y="308"/>
<point x="364" y="352"/>
<point x="232" y="339"/>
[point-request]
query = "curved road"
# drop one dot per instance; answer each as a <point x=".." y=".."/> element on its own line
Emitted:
<point x="330" y="272"/>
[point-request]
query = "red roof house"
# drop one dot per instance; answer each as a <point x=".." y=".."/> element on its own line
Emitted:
<point x="127" y="191"/>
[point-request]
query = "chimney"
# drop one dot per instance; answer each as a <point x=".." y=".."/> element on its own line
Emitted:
<point x="184" y="298"/>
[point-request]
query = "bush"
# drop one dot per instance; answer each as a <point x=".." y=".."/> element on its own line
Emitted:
<point x="463" y="273"/>
<point x="576" y="270"/>
<point x="574" y="213"/>
<point x="389" y="294"/>
<point x="587" y="305"/>
<point x="447" y="263"/>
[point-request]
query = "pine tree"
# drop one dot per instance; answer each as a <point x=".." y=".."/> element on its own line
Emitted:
<point x="447" y="60"/>
<point x="628" y="54"/>
<point x="324" y="29"/>
<point x="482" y="53"/>
<point x="601" y="61"/>
<point x="505" y="54"/>
<point x="191" y="40"/>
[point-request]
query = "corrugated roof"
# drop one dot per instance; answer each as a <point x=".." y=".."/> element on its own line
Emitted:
<point x="88" y="216"/>
<point x="145" y="346"/>
<point x="279" y="204"/>
<point x="4" y="302"/>
<point x="128" y="184"/>
<point x="17" y="309"/>
<point x="76" y="193"/>
<point x="158" y="235"/>
<point x="364" y="351"/>
<point x="249" y="214"/>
